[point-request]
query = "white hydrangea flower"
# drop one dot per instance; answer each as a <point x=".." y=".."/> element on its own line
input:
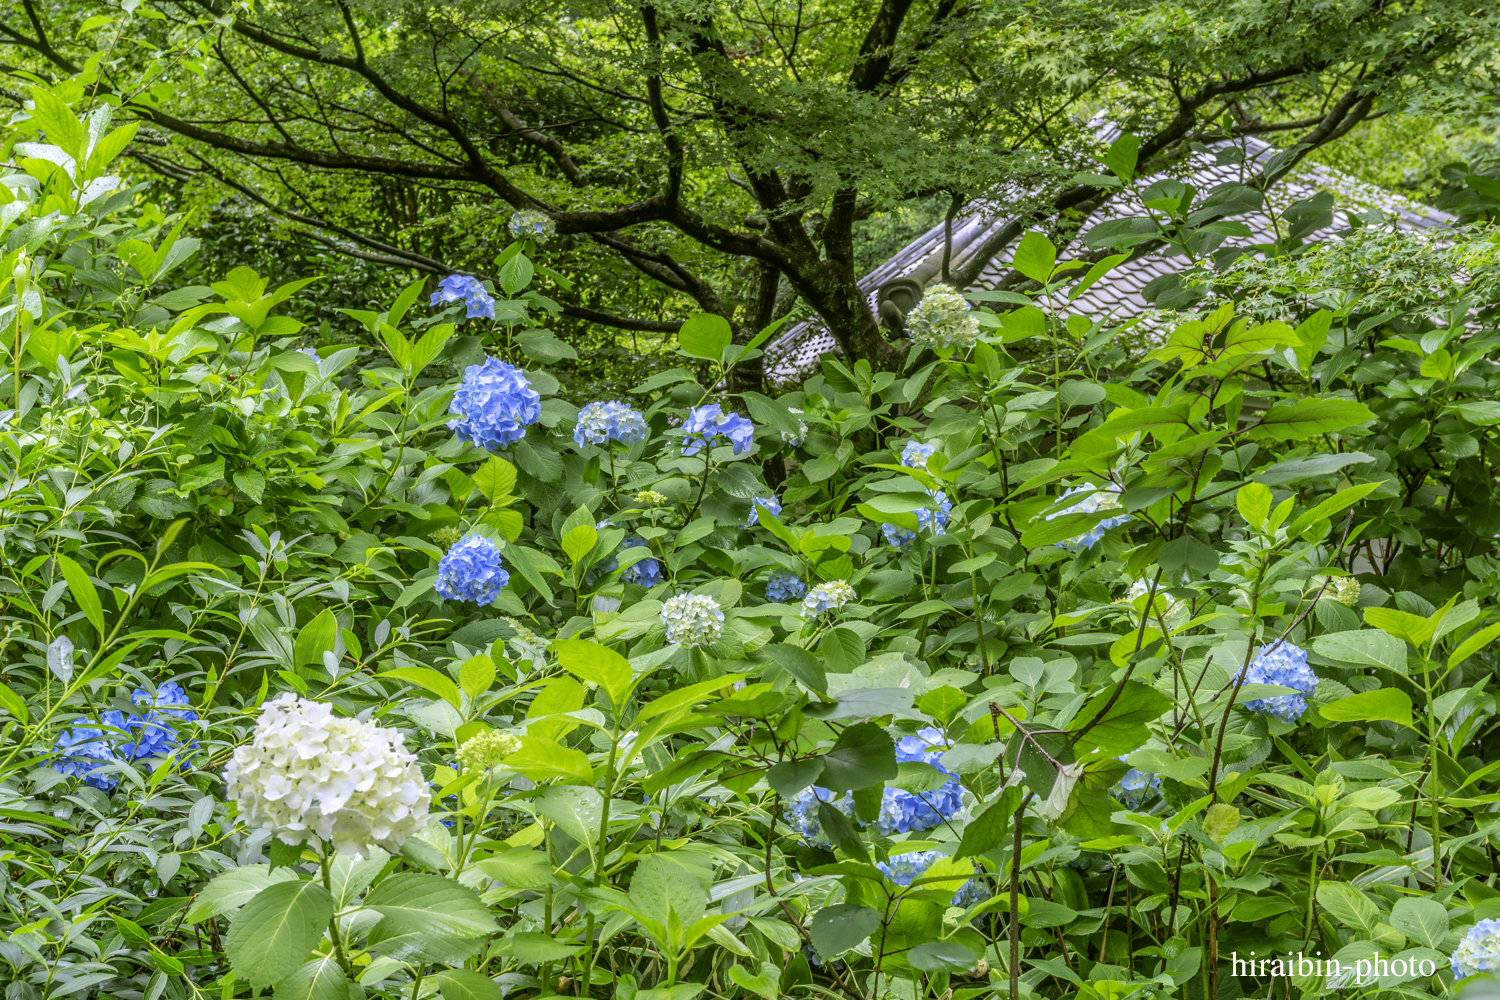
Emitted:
<point x="1164" y="604"/>
<point x="1345" y="590"/>
<point x="795" y="440"/>
<point x="828" y="596"/>
<point x="308" y="773"/>
<point x="942" y="320"/>
<point x="692" y="619"/>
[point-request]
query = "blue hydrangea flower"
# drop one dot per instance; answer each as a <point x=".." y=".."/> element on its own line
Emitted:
<point x="916" y="454"/>
<point x="478" y="303"/>
<point x="795" y="440"/>
<point x="1137" y="787"/>
<point x="311" y="352"/>
<point x="769" y="503"/>
<point x="471" y="571"/>
<point x="647" y="572"/>
<point x="898" y="537"/>
<point x="707" y="424"/>
<point x="784" y="586"/>
<point x="1479" y="951"/>
<point x="902" y="811"/>
<point x="80" y="752"/>
<point x="602" y="422"/>
<point x="1098" y="499"/>
<point x="154" y="733"/>
<point x="904" y="869"/>
<point x="1285" y="665"/>
<point x="494" y="405"/>
<point x="935" y="519"/>
<point x="802" y="813"/>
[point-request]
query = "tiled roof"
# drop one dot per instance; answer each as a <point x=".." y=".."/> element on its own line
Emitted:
<point x="797" y="350"/>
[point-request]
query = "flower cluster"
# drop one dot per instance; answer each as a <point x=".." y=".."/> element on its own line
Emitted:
<point x="902" y="811"/>
<point x="84" y="750"/>
<point x="1137" y="787"/>
<point x="769" y="503"/>
<point x="795" y="440"/>
<point x="943" y="320"/>
<point x="647" y="572"/>
<point x="1346" y="590"/>
<point x="706" y="424"/>
<point x="478" y="303"/>
<point x="471" y="571"/>
<point x="311" y="352"/>
<point x="602" y="422"/>
<point x="307" y="773"/>
<point x="930" y="519"/>
<point x="1097" y="500"/>
<point x="692" y="620"/>
<point x="528" y="223"/>
<point x="447" y="536"/>
<point x="1285" y="665"/>
<point x="80" y="753"/>
<point x="494" y="405"/>
<point x="486" y="750"/>
<point x="827" y="597"/>
<point x="1479" y="951"/>
<point x="784" y="586"/>
<point x="802" y="813"/>
<point x="651" y="498"/>
<point x="525" y="644"/>
<point x="904" y="869"/>
<point x="154" y="733"/>
<point x="916" y="454"/>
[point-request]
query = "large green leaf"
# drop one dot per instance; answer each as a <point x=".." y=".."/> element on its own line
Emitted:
<point x="1363" y="648"/>
<point x="1123" y="726"/>
<point x="864" y="755"/>
<point x="1309" y="418"/>
<point x="427" y="918"/>
<point x="276" y="931"/>
<point x="835" y="929"/>
<point x="1423" y="920"/>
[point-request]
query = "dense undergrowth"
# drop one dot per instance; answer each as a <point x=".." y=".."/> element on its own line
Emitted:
<point x="383" y="669"/>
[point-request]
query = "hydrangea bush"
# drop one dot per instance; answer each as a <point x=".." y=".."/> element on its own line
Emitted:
<point x="358" y="662"/>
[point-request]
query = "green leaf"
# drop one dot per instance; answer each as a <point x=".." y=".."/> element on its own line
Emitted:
<point x="1423" y="920"/>
<point x="251" y="483"/>
<point x="1471" y="645"/>
<point x="1339" y="501"/>
<point x="766" y="983"/>
<point x="1388" y="704"/>
<point x="1404" y="625"/>
<point x="495" y="478"/>
<point x="791" y="776"/>
<point x="864" y="755"/>
<point x="589" y="661"/>
<point x="276" y="931"/>
<point x="800" y="664"/>
<point x="941" y="956"/>
<point x="315" y="638"/>
<point x="1349" y="906"/>
<point x="465" y="984"/>
<point x="1363" y="648"/>
<point x="579" y="542"/>
<point x="81" y="588"/>
<point x="233" y="889"/>
<point x="476" y="675"/>
<point x="543" y="759"/>
<point x="429" y="680"/>
<point x="1122" y="155"/>
<point x="1309" y="418"/>
<point x="320" y="979"/>
<point x="427" y="918"/>
<point x="991" y="829"/>
<point x="836" y="929"/>
<point x="1124" y="728"/>
<point x="1035" y="257"/>
<point x="1254" y="504"/>
<point x="705" y="336"/>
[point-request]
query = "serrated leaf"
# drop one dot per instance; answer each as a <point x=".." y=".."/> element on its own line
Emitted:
<point x="276" y="931"/>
